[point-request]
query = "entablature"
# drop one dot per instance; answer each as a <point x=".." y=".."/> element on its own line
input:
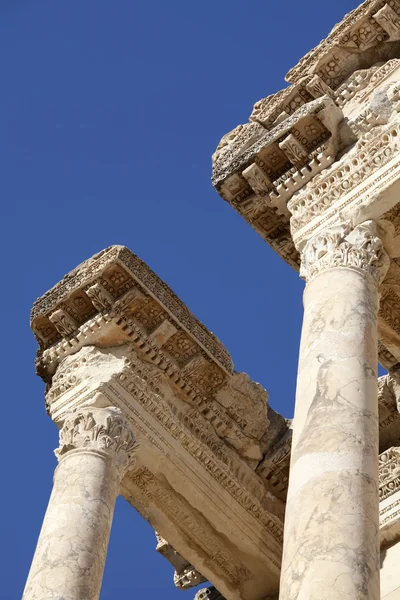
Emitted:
<point x="112" y="334"/>
<point x="368" y="34"/>
<point x="211" y="457"/>
<point x="325" y="150"/>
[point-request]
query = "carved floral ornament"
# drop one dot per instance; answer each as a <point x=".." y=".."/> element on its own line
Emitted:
<point x="341" y="246"/>
<point x="101" y="429"/>
<point x="389" y="472"/>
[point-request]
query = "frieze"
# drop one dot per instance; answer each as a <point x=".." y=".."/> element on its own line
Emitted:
<point x="229" y="472"/>
<point x="378" y="75"/>
<point x="181" y="515"/>
<point x="389" y="473"/>
<point x="197" y="385"/>
<point x="189" y="428"/>
<point x="370" y="154"/>
<point x="173" y="505"/>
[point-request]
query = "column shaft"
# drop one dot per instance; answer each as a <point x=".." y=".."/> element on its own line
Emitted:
<point x="70" y="556"/>
<point x="331" y="546"/>
<point x="71" y="552"/>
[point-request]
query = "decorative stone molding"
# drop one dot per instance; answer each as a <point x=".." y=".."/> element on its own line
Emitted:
<point x="389" y="416"/>
<point x="117" y="278"/>
<point x="389" y="472"/>
<point x="340" y="246"/>
<point x="188" y="578"/>
<point x="389" y="20"/>
<point x="63" y="322"/>
<point x="344" y="176"/>
<point x="368" y="27"/>
<point x="314" y="126"/>
<point x="191" y="425"/>
<point x="220" y="558"/>
<point x="201" y="428"/>
<point x="389" y="495"/>
<point x="185" y="576"/>
<point x="274" y="469"/>
<point x="349" y="182"/>
<point x="120" y="370"/>
<point x="325" y="149"/>
<point x="210" y="593"/>
<point x="100" y="297"/>
<point x="100" y="429"/>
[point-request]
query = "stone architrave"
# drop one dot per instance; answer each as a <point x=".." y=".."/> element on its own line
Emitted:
<point x="96" y="448"/>
<point x="331" y="540"/>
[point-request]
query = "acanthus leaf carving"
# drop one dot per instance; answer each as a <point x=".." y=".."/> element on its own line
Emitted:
<point x="101" y="429"/>
<point x="341" y="246"/>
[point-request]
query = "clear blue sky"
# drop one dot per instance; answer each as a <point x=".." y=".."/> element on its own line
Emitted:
<point x="109" y="114"/>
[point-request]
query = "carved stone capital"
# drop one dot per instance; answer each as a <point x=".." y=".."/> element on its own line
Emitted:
<point x="98" y="429"/>
<point x="360" y="248"/>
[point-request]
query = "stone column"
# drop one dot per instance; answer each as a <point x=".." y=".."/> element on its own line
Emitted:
<point x="96" y="447"/>
<point x="331" y="544"/>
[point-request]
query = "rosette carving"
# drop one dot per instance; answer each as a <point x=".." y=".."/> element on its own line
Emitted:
<point x="341" y="246"/>
<point x="101" y="429"/>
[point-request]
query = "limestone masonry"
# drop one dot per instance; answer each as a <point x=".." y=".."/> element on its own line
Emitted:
<point x="149" y="405"/>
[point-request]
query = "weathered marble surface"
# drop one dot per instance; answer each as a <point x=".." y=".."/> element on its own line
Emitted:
<point x="390" y="572"/>
<point x="70" y="555"/>
<point x="331" y="544"/>
<point x="325" y="149"/>
<point x="112" y="333"/>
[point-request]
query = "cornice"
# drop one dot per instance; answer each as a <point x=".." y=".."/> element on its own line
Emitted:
<point x="114" y="273"/>
<point x="342" y="50"/>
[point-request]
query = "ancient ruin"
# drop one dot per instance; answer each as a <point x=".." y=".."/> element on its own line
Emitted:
<point x="148" y="402"/>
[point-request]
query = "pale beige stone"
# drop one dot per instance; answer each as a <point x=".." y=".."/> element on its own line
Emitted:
<point x="316" y="173"/>
<point x="390" y="572"/>
<point x="346" y="170"/>
<point x="96" y="447"/>
<point x="338" y="126"/>
<point x="201" y="428"/>
<point x="331" y="547"/>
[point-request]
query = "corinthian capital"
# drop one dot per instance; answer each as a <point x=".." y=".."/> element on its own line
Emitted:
<point x="360" y="248"/>
<point x="101" y="429"/>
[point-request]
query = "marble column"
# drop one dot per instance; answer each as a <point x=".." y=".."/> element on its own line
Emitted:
<point x="331" y="544"/>
<point x="96" y="447"/>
